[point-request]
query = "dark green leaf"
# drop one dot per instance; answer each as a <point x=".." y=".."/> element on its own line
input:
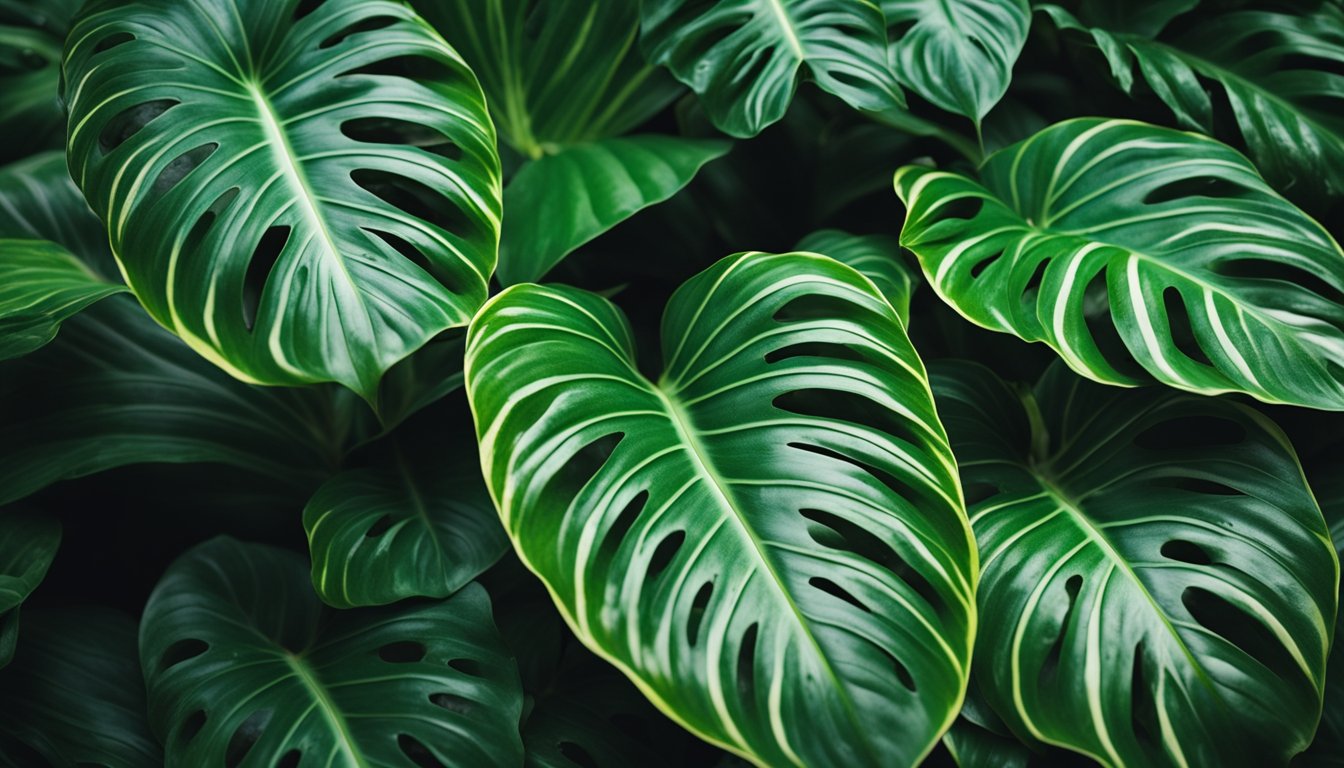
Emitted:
<point x="241" y="658"/>
<point x="39" y="201"/>
<point x="28" y="544"/>
<point x="877" y="257"/>
<point x="41" y="285"/>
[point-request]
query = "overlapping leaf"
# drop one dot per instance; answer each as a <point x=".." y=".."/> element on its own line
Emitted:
<point x="1139" y="253"/>
<point x="31" y="33"/>
<point x="74" y="695"/>
<point x="242" y="659"/>
<point x="41" y="285"/>
<point x="28" y="543"/>
<point x="1158" y="583"/>
<point x="1280" y="73"/>
<point x="877" y="257"/>
<point x="744" y="57"/>
<point x="958" y="55"/>
<point x="303" y="194"/>
<point x="769" y="539"/>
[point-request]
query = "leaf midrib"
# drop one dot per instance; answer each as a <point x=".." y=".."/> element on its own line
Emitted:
<point x="705" y="467"/>
<point x="327" y="707"/>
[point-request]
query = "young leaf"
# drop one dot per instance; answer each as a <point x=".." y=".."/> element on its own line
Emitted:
<point x="744" y="58"/>
<point x="559" y="202"/>
<point x="1158" y="584"/>
<point x="1282" y="75"/>
<point x="958" y="55"/>
<point x="302" y="197"/>
<point x="421" y="527"/>
<point x="770" y="538"/>
<point x="28" y="544"/>
<point x="1131" y="249"/>
<point x="240" y="658"/>
<point x="41" y="285"/>
<point x="75" y="695"/>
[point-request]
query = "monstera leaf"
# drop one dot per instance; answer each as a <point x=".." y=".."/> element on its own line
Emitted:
<point x="74" y="694"/>
<point x="1158" y="584"/>
<point x="556" y="72"/>
<point x="562" y="201"/>
<point x="877" y="257"/>
<point x="31" y="33"/>
<point x="41" y="285"/>
<point x="302" y="194"/>
<point x="769" y="539"/>
<point x="241" y="659"/>
<point x="1282" y="75"/>
<point x="1131" y="249"/>
<point x="1328" y="484"/>
<point x="116" y="389"/>
<point x="416" y="526"/>
<point x="744" y="57"/>
<point x="28" y="543"/>
<point x="958" y="55"/>
<point x="39" y="201"/>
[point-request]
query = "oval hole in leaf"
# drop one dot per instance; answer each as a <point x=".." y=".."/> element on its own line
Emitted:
<point x="417" y="752"/>
<point x="130" y="121"/>
<point x="403" y="652"/>
<point x="181" y="651"/>
<point x="245" y="737"/>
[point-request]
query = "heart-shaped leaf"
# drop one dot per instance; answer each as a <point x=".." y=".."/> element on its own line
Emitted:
<point x="744" y="57"/>
<point x="769" y="539"/>
<point x="303" y="194"/>
<point x="28" y="543"/>
<point x="1131" y="249"/>
<point x="1158" y="584"/>
<point x="241" y="659"/>
<point x="957" y="55"/>
<point x="74" y="695"/>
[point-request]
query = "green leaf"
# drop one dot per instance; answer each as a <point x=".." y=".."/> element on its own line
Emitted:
<point x="116" y="389"/>
<point x="31" y="33"/>
<point x="301" y="199"/>
<point x="1158" y="585"/>
<point x="876" y="257"/>
<point x="769" y="539"/>
<point x="561" y="201"/>
<point x="421" y="527"/>
<point x="1131" y="249"/>
<point x="1328" y="747"/>
<point x="240" y="657"/>
<point x="1279" y="72"/>
<point x="960" y="55"/>
<point x="28" y="544"/>
<point x="39" y="201"/>
<point x="744" y="57"/>
<point x="41" y="285"/>
<point x="74" y="695"/>
<point x="555" y="72"/>
<point x="427" y="376"/>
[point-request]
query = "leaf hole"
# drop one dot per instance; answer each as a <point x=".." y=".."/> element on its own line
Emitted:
<point x="180" y="167"/>
<point x="1193" y="186"/>
<point x="746" y="667"/>
<point x="901" y="671"/>
<point x="452" y="703"/>
<point x="1101" y="328"/>
<point x="815" y="306"/>
<point x="191" y="726"/>
<point x="131" y="121"/>
<point x="468" y="667"/>
<point x="1185" y="552"/>
<point x="620" y="527"/>
<point x="196" y="235"/>
<point x="417" y="752"/>
<point x="1050" y="665"/>
<point x="182" y="650"/>
<point x="1241" y="629"/>
<point x="961" y="208"/>
<point x="1197" y="485"/>
<point x="305" y="7"/>
<point x="412" y="67"/>
<point x="112" y="41"/>
<point x="848" y="407"/>
<point x="365" y="25"/>
<point x="838" y="592"/>
<point x="985" y="263"/>
<point x="1276" y="271"/>
<point x="412" y="197"/>
<point x="245" y="736"/>
<point x="696" y="616"/>
<point x="290" y="759"/>
<point x="1182" y="332"/>
<point x="259" y="268"/>
<point x="976" y="492"/>
<point x="566" y="484"/>
<point x="390" y="130"/>
<point x="662" y="556"/>
<point x="403" y="652"/>
<point x="379" y="527"/>
<point x="818" y="349"/>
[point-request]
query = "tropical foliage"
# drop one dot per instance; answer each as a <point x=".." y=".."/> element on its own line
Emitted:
<point x="577" y="384"/>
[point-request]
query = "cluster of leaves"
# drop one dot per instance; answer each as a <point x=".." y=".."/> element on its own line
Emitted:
<point x="387" y="384"/>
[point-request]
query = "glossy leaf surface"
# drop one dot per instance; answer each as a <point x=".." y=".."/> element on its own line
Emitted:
<point x="877" y="257"/>
<point x="42" y="284"/>
<point x="769" y="539"/>
<point x="1158" y="584"/>
<point x="1138" y="253"/>
<point x="302" y="197"/>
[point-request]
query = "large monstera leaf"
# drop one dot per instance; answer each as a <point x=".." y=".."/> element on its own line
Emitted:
<point x="744" y="57"/>
<point x="28" y="544"/>
<point x="769" y="539"/>
<point x="1138" y="253"/>
<point x="302" y="196"/>
<point x="1158" y="584"/>
<point x="74" y="695"/>
<point x="241" y="659"/>
<point x="1280" y="73"/>
<point x="958" y="55"/>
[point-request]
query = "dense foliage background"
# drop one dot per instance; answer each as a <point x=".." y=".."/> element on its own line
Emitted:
<point x="588" y="384"/>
